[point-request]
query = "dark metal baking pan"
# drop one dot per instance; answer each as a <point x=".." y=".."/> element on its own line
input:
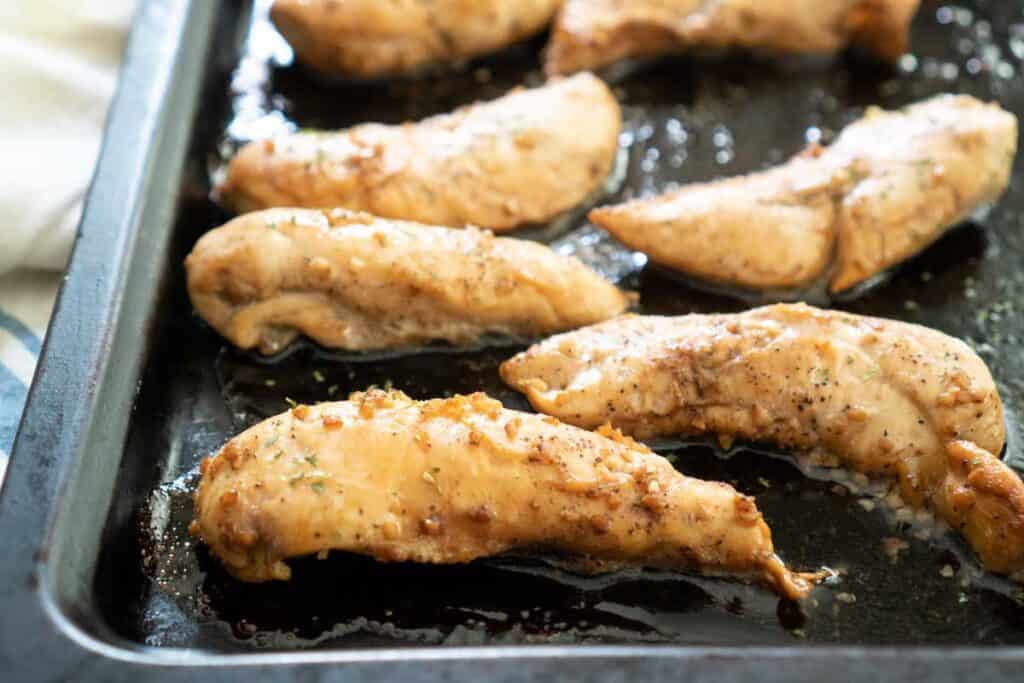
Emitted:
<point x="98" y="579"/>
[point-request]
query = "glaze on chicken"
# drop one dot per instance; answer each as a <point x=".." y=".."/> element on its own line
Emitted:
<point x="893" y="183"/>
<point x="371" y="38"/>
<point x="884" y="398"/>
<point x="522" y="159"/>
<point x="589" y="34"/>
<point x="351" y="281"/>
<point x="453" y="480"/>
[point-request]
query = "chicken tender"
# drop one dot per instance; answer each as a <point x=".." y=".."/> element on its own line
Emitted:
<point x="521" y="159"/>
<point x="892" y="184"/>
<point x="450" y="481"/>
<point x="352" y="281"/>
<point x="884" y="398"/>
<point x="370" y="38"/>
<point x="592" y="33"/>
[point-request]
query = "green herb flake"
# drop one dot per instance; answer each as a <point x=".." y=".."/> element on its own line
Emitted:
<point x="292" y="402"/>
<point x="311" y="459"/>
<point x="296" y="478"/>
<point x="271" y="440"/>
<point x="317" y="486"/>
<point x="318" y="376"/>
<point x="332" y="390"/>
<point x="271" y="225"/>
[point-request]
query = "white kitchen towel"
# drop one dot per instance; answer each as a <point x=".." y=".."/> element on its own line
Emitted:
<point x="60" y="63"/>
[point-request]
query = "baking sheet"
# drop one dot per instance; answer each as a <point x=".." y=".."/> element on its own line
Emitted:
<point x="902" y="581"/>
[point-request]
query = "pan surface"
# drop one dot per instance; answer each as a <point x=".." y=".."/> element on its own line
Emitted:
<point x="901" y="580"/>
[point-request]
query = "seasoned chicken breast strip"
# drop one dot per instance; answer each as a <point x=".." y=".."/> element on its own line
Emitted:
<point x="592" y="33"/>
<point x="450" y="481"/>
<point x="352" y="281"/>
<point x="885" y="398"/>
<point x="892" y="184"/>
<point x="370" y="38"/>
<point x="523" y="158"/>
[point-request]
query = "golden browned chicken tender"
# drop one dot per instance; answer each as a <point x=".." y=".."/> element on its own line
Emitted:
<point x="885" y="398"/>
<point x="352" y="281"/>
<point x="592" y="33"/>
<point x="450" y="481"/>
<point x="370" y="38"/>
<point x="521" y="159"/>
<point x="892" y="184"/>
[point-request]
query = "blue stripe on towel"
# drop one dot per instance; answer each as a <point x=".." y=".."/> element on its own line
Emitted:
<point x="21" y="332"/>
<point x="12" y="400"/>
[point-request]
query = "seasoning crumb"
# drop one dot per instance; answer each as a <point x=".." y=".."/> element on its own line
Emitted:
<point x="847" y="598"/>
<point x="318" y="376"/>
<point x="893" y="546"/>
<point x="868" y="505"/>
<point x="270" y="382"/>
<point x="894" y="500"/>
<point x="332" y="390"/>
<point x="946" y="571"/>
